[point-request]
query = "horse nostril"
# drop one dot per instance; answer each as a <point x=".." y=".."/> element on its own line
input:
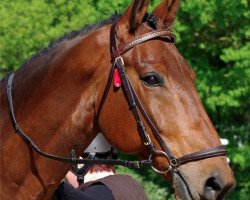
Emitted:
<point x="212" y="183"/>
<point x="213" y="188"/>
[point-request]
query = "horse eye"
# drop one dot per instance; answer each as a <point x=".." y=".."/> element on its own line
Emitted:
<point x="151" y="80"/>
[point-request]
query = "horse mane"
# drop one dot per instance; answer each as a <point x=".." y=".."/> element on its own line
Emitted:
<point x="83" y="32"/>
<point x="71" y="35"/>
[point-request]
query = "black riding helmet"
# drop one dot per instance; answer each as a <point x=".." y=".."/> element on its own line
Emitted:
<point x="98" y="149"/>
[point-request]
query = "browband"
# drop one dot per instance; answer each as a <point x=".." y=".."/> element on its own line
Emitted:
<point x="143" y="38"/>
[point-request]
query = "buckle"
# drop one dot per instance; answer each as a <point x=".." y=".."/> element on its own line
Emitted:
<point x="119" y="58"/>
<point x="148" y="140"/>
<point x="174" y="162"/>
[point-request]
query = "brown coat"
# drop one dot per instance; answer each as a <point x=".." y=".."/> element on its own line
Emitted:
<point x="123" y="187"/>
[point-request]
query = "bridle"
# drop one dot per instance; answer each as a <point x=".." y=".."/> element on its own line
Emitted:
<point x="135" y="106"/>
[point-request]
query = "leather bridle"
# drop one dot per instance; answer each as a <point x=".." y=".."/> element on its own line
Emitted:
<point x="135" y="106"/>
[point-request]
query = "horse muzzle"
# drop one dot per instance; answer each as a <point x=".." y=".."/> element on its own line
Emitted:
<point x="213" y="187"/>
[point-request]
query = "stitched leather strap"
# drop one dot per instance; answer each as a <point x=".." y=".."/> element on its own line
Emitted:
<point x="207" y="153"/>
<point x="115" y="51"/>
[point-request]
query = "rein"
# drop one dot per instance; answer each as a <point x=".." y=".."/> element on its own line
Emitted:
<point x="135" y="106"/>
<point x="73" y="160"/>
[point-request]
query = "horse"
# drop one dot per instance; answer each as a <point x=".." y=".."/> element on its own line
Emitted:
<point x="123" y="77"/>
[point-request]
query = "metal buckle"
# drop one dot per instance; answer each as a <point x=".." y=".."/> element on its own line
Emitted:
<point x="174" y="162"/>
<point x="160" y="153"/>
<point x="73" y="158"/>
<point x="137" y="165"/>
<point x="148" y="142"/>
<point x="121" y="59"/>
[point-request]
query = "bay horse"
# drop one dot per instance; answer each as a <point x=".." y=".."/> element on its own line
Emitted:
<point x="63" y="96"/>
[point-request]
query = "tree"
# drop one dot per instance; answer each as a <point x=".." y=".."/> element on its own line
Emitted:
<point x="212" y="35"/>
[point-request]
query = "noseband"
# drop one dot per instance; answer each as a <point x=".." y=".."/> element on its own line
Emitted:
<point x="135" y="106"/>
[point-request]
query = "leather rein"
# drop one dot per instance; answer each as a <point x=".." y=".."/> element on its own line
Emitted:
<point x="135" y="106"/>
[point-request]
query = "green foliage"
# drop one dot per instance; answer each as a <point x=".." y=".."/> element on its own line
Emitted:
<point x="212" y="35"/>
<point x="27" y="26"/>
<point x="214" y="38"/>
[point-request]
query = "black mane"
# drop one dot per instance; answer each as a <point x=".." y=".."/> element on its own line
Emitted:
<point x="68" y="36"/>
<point x="84" y="31"/>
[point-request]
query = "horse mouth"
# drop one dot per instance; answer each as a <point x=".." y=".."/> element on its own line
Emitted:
<point x="181" y="189"/>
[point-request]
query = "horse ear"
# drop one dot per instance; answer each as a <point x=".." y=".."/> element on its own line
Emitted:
<point x="165" y="13"/>
<point x="133" y="16"/>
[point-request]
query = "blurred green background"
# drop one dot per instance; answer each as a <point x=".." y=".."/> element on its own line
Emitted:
<point x="213" y="36"/>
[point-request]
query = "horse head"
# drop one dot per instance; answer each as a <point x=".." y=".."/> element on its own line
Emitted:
<point x="165" y="85"/>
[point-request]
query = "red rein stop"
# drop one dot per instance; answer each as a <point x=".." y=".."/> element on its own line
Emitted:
<point x="117" y="79"/>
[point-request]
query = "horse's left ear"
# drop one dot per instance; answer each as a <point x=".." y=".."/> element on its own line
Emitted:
<point x="133" y="16"/>
<point x="165" y="13"/>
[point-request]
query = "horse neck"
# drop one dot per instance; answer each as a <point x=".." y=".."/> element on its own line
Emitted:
<point x="54" y="102"/>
